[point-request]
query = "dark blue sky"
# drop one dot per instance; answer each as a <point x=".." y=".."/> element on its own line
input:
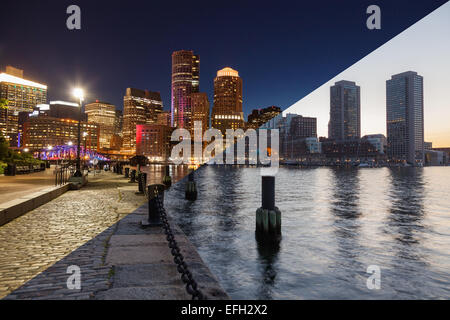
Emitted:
<point x="282" y="49"/>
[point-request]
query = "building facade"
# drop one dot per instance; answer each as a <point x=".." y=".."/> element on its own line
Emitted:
<point x="154" y="142"/>
<point x="227" y="109"/>
<point x="259" y="117"/>
<point x="200" y="110"/>
<point x="46" y="132"/>
<point x="139" y="107"/>
<point x="22" y="96"/>
<point x="404" y="118"/>
<point x="103" y="114"/>
<point x="185" y="81"/>
<point x="345" y="111"/>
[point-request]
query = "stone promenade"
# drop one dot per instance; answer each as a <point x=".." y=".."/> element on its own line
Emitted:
<point x="93" y="229"/>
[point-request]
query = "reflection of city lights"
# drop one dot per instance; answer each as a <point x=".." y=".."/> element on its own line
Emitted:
<point x="70" y="143"/>
<point x="49" y="148"/>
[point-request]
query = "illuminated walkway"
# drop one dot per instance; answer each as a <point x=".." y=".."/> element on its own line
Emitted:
<point x="19" y="185"/>
<point x="35" y="241"/>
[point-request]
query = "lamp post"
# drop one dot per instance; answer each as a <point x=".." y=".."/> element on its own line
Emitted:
<point x="78" y="93"/>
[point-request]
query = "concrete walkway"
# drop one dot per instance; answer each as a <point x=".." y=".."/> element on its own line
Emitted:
<point x="93" y="229"/>
<point x="12" y="187"/>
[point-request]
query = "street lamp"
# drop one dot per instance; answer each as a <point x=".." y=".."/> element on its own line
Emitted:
<point x="79" y="94"/>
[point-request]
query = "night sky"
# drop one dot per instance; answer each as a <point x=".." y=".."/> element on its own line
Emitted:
<point x="282" y="49"/>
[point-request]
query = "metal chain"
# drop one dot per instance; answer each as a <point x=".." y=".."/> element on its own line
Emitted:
<point x="186" y="275"/>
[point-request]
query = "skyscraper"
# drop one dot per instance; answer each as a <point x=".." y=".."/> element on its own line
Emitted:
<point x="139" y="107"/>
<point x="404" y="117"/>
<point x="345" y="111"/>
<point x="227" y="110"/>
<point x="22" y="96"/>
<point x="200" y="110"/>
<point x="104" y="115"/>
<point x="185" y="80"/>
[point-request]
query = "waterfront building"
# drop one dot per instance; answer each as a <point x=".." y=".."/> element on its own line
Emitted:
<point x="164" y="118"/>
<point x="259" y="117"/>
<point x="22" y="96"/>
<point x="118" y="123"/>
<point x="404" y="118"/>
<point x="185" y="81"/>
<point x="428" y="145"/>
<point x="345" y="111"/>
<point x="154" y="142"/>
<point x="294" y="131"/>
<point x="227" y="109"/>
<point x="139" y="107"/>
<point x="104" y="115"/>
<point x="200" y="110"/>
<point x="379" y="141"/>
<point x="65" y="110"/>
<point x="351" y="151"/>
<point x="42" y="132"/>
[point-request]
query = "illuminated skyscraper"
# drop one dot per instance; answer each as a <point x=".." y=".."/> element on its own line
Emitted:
<point x="200" y="110"/>
<point x="345" y="111"/>
<point x="404" y="117"/>
<point x="185" y="80"/>
<point x="139" y="107"/>
<point x="23" y="96"/>
<point x="227" y="110"/>
<point x="104" y="115"/>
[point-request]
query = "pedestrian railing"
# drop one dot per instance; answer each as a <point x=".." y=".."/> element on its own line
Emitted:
<point x="62" y="174"/>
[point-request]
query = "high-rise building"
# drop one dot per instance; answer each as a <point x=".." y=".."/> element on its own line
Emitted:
<point x="227" y="110"/>
<point x="22" y="96"/>
<point x="64" y="110"/>
<point x="404" y="117"/>
<point x="345" y="111"/>
<point x="154" y="141"/>
<point x="139" y="107"/>
<point x="118" y="123"/>
<point x="200" y="110"/>
<point x="259" y="117"/>
<point x="164" y="118"/>
<point x="104" y="115"/>
<point x="41" y="132"/>
<point x="294" y="132"/>
<point x="185" y="80"/>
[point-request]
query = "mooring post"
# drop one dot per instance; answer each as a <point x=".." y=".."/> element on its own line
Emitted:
<point x="132" y="176"/>
<point x="140" y="183"/>
<point x="167" y="180"/>
<point x="268" y="217"/>
<point x="127" y="172"/>
<point x="191" y="188"/>
<point x="155" y="192"/>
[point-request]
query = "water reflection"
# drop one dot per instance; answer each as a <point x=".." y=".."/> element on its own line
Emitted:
<point x="267" y="256"/>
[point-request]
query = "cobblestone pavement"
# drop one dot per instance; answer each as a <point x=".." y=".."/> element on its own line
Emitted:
<point x="52" y="233"/>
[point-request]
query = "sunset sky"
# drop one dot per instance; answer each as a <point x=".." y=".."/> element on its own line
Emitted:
<point x="424" y="48"/>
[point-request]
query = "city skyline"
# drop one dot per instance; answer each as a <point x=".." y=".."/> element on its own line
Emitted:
<point x="412" y="50"/>
<point x="94" y="57"/>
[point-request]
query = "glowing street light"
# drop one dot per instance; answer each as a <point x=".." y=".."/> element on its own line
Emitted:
<point x="26" y="150"/>
<point x="70" y="143"/>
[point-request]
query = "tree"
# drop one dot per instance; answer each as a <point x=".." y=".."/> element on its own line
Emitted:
<point x="4" y="148"/>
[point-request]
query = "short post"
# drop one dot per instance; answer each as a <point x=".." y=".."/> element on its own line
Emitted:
<point x="155" y="192"/>
<point x="127" y="172"/>
<point x="167" y="180"/>
<point x="268" y="217"/>
<point x="140" y="183"/>
<point x="133" y="176"/>
<point x="191" y="188"/>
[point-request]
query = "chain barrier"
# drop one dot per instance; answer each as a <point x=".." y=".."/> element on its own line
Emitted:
<point x="186" y="275"/>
